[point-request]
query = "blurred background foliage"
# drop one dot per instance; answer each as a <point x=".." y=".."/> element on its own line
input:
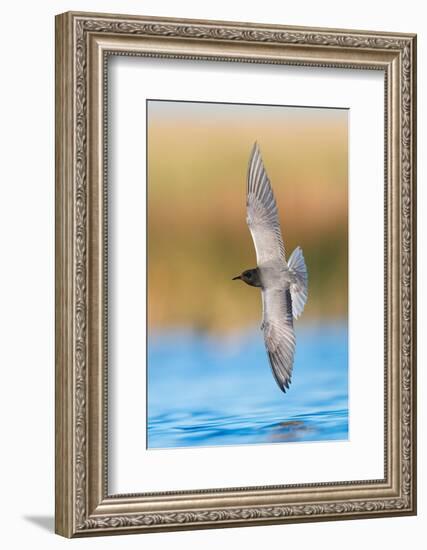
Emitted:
<point x="197" y="234"/>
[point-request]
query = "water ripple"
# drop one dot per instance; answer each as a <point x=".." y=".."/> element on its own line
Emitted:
<point x="206" y="392"/>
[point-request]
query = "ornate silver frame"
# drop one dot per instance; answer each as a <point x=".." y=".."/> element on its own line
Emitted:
<point x="83" y="505"/>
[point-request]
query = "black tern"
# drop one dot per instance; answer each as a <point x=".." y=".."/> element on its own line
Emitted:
<point x="283" y="283"/>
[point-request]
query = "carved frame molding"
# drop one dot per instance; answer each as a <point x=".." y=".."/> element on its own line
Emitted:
<point x="83" y="43"/>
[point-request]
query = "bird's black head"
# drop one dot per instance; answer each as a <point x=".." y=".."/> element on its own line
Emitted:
<point x="250" y="277"/>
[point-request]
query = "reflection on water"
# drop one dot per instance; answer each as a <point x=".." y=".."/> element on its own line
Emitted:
<point x="293" y="430"/>
<point x="204" y="390"/>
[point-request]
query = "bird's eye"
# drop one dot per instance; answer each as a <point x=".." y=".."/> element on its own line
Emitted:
<point x="249" y="275"/>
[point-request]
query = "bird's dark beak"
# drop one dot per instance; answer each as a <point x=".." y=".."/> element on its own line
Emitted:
<point x="235" y="278"/>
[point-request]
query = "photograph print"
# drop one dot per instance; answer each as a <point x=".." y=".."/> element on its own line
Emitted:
<point x="253" y="194"/>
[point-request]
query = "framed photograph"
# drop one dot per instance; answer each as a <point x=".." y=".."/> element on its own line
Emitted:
<point x="235" y="274"/>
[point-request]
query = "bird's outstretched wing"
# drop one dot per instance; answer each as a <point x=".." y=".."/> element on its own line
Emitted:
<point x="279" y="335"/>
<point x="262" y="216"/>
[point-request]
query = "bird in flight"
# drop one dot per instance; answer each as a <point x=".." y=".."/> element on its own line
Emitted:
<point x="283" y="283"/>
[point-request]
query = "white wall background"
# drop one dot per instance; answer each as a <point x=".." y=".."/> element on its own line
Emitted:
<point x="27" y="273"/>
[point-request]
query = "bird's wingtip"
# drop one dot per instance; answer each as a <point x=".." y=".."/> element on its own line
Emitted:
<point x="255" y="149"/>
<point x="285" y="386"/>
<point x="255" y="155"/>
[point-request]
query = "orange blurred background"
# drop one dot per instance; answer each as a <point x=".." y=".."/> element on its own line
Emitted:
<point x="197" y="234"/>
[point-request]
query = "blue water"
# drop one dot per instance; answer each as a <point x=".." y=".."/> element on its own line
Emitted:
<point x="205" y="390"/>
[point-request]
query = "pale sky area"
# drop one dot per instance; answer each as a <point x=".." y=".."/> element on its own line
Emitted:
<point x="183" y="109"/>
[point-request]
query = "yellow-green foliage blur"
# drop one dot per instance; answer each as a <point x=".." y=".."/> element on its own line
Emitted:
<point x="197" y="234"/>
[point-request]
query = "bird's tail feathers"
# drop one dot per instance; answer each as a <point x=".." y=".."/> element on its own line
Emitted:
<point x="299" y="289"/>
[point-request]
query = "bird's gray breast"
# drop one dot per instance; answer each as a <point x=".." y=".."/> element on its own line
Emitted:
<point x="275" y="275"/>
